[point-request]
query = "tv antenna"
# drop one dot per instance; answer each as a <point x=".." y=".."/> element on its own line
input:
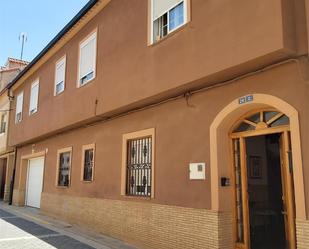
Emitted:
<point x="23" y="39"/>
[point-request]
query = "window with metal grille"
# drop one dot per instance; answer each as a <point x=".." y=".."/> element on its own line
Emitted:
<point x="139" y="164"/>
<point x="88" y="164"/>
<point x="64" y="169"/>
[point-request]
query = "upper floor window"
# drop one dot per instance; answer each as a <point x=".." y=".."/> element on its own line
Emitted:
<point x="60" y="76"/>
<point x="19" y="107"/>
<point x="34" y="97"/>
<point x="87" y="59"/>
<point x="167" y="16"/>
<point x="3" y="123"/>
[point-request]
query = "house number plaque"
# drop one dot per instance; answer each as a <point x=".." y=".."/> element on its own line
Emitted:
<point x="245" y="99"/>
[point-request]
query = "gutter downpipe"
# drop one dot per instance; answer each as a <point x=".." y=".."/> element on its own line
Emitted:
<point x="13" y="178"/>
<point x="11" y="97"/>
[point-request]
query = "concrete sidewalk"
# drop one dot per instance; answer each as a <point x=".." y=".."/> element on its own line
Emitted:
<point x="26" y="228"/>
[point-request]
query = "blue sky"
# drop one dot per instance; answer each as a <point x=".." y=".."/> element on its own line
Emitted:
<point x="40" y="19"/>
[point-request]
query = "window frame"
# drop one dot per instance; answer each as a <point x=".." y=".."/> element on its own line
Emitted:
<point x="3" y="120"/>
<point x="63" y="58"/>
<point x="22" y="107"/>
<point x="84" y="148"/>
<point x="34" y="83"/>
<point x="187" y="16"/>
<point x="81" y="44"/>
<point x="135" y="135"/>
<point x="59" y="152"/>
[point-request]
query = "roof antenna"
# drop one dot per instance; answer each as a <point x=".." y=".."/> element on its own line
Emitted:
<point x="23" y="38"/>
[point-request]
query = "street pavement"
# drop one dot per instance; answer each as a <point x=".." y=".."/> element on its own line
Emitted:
<point x="18" y="232"/>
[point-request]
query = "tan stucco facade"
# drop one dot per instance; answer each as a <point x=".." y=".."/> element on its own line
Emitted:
<point x="183" y="135"/>
<point x="184" y="92"/>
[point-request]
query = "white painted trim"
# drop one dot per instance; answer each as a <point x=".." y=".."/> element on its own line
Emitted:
<point x="35" y="83"/>
<point x="64" y="57"/>
<point x="22" y="106"/>
<point x="82" y="44"/>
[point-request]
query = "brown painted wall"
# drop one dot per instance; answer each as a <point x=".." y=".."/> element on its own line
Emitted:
<point x="182" y="136"/>
<point x="223" y="39"/>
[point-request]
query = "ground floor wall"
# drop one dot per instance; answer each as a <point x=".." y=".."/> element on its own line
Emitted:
<point x="145" y="225"/>
<point x="181" y="211"/>
<point x="302" y="232"/>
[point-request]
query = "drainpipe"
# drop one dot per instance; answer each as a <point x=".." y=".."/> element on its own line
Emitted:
<point x="13" y="178"/>
<point x="11" y="98"/>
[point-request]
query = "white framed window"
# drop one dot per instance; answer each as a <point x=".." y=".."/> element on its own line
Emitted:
<point x="87" y="59"/>
<point x="60" y="76"/>
<point x="167" y="16"/>
<point x="19" y="107"/>
<point x="34" y="97"/>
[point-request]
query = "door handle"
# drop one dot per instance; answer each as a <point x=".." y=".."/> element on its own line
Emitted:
<point x="284" y="212"/>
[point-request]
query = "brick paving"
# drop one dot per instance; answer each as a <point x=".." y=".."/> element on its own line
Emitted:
<point x="18" y="233"/>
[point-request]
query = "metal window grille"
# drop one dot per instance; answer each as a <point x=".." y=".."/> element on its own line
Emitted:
<point x="64" y="169"/>
<point x="139" y="164"/>
<point x="88" y="164"/>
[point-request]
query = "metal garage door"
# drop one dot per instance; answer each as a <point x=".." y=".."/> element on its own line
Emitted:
<point x="34" y="182"/>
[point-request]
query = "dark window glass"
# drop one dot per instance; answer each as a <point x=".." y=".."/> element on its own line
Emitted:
<point x="268" y="115"/>
<point x="88" y="164"/>
<point x="255" y="118"/>
<point x="139" y="164"/>
<point x="64" y="169"/>
<point x="244" y="127"/>
<point x="283" y="120"/>
<point x="3" y="123"/>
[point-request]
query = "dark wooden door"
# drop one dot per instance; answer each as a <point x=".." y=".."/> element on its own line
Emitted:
<point x="3" y="178"/>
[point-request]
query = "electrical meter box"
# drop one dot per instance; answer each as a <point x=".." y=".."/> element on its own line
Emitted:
<point x="197" y="171"/>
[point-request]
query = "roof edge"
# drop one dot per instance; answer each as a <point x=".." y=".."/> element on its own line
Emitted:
<point x="66" y="28"/>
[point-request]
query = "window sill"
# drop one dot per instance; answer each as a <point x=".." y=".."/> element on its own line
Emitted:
<point x="175" y="31"/>
<point x="58" y="94"/>
<point x="138" y="198"/>
<point x="91" y="181"/>
<point x="80" y="86"/>
<point x="62" y="187"/>
<point x="32" y="113"/>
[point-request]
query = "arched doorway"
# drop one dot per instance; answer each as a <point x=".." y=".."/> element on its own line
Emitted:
<point x="263" y="190"/>
<point x="221" y="156"/>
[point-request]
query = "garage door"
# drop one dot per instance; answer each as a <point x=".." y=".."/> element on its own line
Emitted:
<point x="34" y="182"/>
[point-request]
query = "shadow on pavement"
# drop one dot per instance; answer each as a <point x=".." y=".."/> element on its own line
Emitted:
<point x="49" y="236"/>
